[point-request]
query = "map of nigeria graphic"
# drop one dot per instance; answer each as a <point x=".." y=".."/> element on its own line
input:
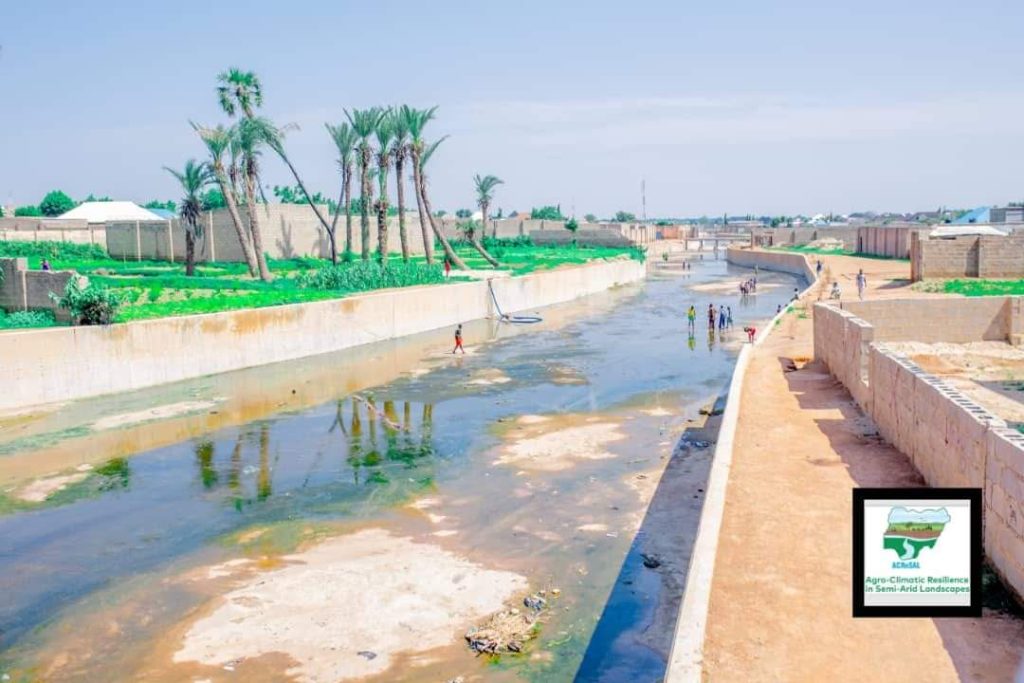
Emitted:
<point x="910" y="531"/>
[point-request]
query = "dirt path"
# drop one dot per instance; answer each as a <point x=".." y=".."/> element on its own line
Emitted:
<point x="780" y="605"/>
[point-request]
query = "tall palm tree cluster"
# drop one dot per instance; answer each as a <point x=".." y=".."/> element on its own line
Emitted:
<point x="370" y="142"/>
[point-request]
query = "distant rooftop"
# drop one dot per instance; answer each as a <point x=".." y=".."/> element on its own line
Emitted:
<point x="978" y="215"/>
<point x="102" y="212"/>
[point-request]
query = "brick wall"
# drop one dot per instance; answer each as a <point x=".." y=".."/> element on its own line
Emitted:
<point x="951" y="440"/>
<point x="986" y="256"/>
<point x="29" y="290"/>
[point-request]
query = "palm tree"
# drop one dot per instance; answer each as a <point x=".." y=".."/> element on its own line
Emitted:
<point x="416" y="120"/>
<point x="196" y="176"/>
<point x="384" y="132"/>
<point x="484" y="195"/>
<point x="345" y="140"/>
<point x="217" y="141"/>
<point x="364" y="123"/>
<point x="275" y="140"/>
<point x="241" y="90"/>
<point x="253" y="134"/>
<point x="400" y="129"/>
<point x="449" y="253"/>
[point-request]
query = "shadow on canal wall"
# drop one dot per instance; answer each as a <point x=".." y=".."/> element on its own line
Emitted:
<point x="634" y="634"/>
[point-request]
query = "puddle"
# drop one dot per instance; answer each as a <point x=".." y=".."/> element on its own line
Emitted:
<point x="212" y="544"/>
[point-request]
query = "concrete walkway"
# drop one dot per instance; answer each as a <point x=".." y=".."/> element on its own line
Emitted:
<point x="780" y="606"/>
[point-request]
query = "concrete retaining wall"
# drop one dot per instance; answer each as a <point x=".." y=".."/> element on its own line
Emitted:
<point x="951" y="440"/>
<point x="60" y="364"/>
<point x="782" y="261"/>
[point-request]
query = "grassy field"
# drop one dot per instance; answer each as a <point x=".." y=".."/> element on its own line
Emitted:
<point x="156" y="289"/>
<point x="804" y="249"/>
<point x="976" y="287"/>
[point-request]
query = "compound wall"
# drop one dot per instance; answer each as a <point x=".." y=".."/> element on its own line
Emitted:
<point x="951" y="440"/>
<point x="985" y="256"/>
<point x="22" y="289"/>
<point x="59" y="364"/>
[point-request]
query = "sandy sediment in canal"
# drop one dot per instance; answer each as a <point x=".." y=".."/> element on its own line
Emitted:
<point x="347" y="607"/>
<point x="558" y="443"/>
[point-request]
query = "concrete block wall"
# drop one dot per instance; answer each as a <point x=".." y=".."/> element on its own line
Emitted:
<point x="66" y="363"/>
<point x="951" y="440"/>
<point x="288" y="230"/>
<point x="985" y="256"/>
<point x="51" y="230"/>
<point x="29" y="290"/>
<point x="586" y="237"/>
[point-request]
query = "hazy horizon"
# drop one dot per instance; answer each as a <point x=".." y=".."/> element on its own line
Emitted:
<point x="736" y="108"/>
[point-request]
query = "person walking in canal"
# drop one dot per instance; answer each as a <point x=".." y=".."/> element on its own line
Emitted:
<point x="728" y="316"/>
<point x="711" y="316"/>
<point x="458" y="340"/>
<point x="721" y="318"/>
<point x="691" y="318"/>
<point x="862" y="283"/>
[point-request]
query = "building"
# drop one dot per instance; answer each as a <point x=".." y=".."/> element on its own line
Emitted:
<point x="107" y="212"/>
<point x="1006" y="214"/>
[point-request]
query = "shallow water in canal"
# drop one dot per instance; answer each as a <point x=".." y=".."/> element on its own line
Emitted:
<point x="351" y="516"/>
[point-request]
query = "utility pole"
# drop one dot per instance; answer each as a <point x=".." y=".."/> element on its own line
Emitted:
<point x="643" y="199"/>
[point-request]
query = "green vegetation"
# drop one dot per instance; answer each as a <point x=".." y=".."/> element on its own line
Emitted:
<point x="169" y="205"/>
<point x="838" y="251"/>
<point x="624" y="217"/>
<point x="27" y="212"/>
<point x="23" y="319"/>
<point x="978" y="287"/>
<point x="547" y="213"/>
<point x="123" y="291"/>
<point x="91" y="304"/>
<point x="55" y="203"/>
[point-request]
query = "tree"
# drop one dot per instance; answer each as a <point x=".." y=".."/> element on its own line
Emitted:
<point x="241" y="90"/>
<point x="449" y="253"/>
<point x="345" y="141"/>
<point x="94" y="198"/>
<point x="385" y="135"/>
<point x="624" y="217"/>
<point x="55" y="203"/>
<point x="218" y="141"/>
<point x="463" y="213"/>
<point x="364" y="123"/>
<point x="27" y="211"/>
<point x="590" y="218"/>
<point x="547" y="213"/>
<point x="213" y="199"/>
<point x="484" y="195"/>
<point x="400" y="152"/>
<point x="169" y="205"/>
<point x="194" y="177"/>
<point x="572" y="226"/>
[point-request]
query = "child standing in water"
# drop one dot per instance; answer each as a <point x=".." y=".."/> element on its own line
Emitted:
<point x="728" y="316"/>
<point x="691" y="317"/>
<point x="458" y="340"/>
<point x="711" y="316"/>
<point x="721" y="317"/>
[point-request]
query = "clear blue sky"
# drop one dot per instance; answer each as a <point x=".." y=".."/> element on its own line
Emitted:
<point x="729" y="106"/>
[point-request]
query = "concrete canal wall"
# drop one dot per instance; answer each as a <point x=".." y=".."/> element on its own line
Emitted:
<point x="60" y="364"/>
<point x="951" y="440"/>
<point x="782" y="261"/>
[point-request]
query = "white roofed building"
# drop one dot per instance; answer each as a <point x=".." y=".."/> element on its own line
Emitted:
<point x="104" y="212"/>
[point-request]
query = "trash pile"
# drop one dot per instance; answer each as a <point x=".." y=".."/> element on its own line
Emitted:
<point x="507" y="631"/>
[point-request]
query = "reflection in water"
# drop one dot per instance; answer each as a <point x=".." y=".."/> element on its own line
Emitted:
<point x="263" y="486"/>
<point x="204" y="458"/>
<point x="691" y="341"/>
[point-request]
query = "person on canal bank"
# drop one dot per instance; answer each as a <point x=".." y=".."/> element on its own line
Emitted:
<point x="691" y="317"/>
<point x="458" y="340"/>
<point x="447" y="267"/>
<point x="862" y="283"/>
<point x="818" y="268"/>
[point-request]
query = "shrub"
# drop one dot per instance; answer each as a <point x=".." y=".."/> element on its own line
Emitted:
<point x="367" y="275"/>
<point x="55" y="203"/>
<point x="28" y="211"/>
<point x="52" y="250"/>
<point x="91" y="304"/>
<point x="572" y="226"/>
<point x="22" y="319"/>
<point x="547" y="213"/>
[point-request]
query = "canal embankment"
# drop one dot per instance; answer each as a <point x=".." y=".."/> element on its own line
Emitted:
<point x="776" y="581"/>
<point x="67" y="363"/>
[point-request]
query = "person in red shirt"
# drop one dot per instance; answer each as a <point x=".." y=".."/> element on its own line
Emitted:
<point x="447" y="267"/>
<point x="458" y="340"/>
<point x="751" y="333"/>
